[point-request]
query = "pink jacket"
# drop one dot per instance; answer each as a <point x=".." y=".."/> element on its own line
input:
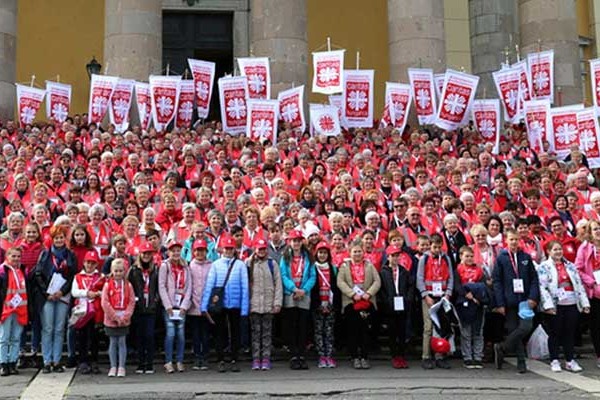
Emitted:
<point x="166" y="286"/>
<point x="199" y="273"/>
<point x="110" y="315"/>
<point x="585" y="266"/>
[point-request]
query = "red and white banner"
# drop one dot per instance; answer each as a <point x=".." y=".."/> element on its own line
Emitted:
<point x="595" y="82"/>
<point x="325" y="120"/>
<point x="101" y="89"/>
<point x="164" y="94"/>
<point x="143" y="103"/>
<point x="233" y="92"/>
<point x="204" y="76"/>
<point x="589" y="135"/>
<point x="508" y="85"/>
<point x="185" y="106"/>
<point x="120" y="104"/>
<point x="457" y="97"/>
<point x="541" y="71"/>
<point x="397" y="105"/>
<point x="262" y="119"/>
<point x="258" y="73"/>
<point x="486" y="117"/>
<point x="563" y="129"/>
<point x="328" y="67"/>
<point x="524" y="81"/>
<point x="438" y="80"/>
<point x="337" y="100"/>
<point x="358" y="98"/>
<point x="423" y="93"/>
<point x="537" y="122"/>
<point x="58" y="101"/>
<point x="29" y="101"/>
<point x="291" y="107"/>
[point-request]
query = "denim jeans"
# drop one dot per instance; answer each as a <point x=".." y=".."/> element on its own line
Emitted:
<point x="35" y="326"/>
<point x="144" y="326"/>
<point x="71" y="341"/>
<point x="117" y="351"/>
<point x="10" y="335"/>
<point x="174" y="328"/>
<point x="200" y="335"/>
<point x="54" y="318"/>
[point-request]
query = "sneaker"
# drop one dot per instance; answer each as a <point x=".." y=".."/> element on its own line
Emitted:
<point x="149" y="370"/>
<point x="427" y="364"/>
<point x="555" y="366"/>
<point x="302" y="363"/>
<point x="356" y="363"/>
<point x="498" y="355"/>
<point x="294" y="363"/>
<point x="256" y="364"/>
<point x="322" y="362"/>
<point x="169" y="368"/>
<point x="221" y="367"/>
<point x="180" y="367"/>
<point x="331" y="363"/>
<point x="197" y="365"/>
<point x="112" y="372"/>
<point x="573" y="366"/>
<point x="233" y="367"/>
<point x="365" y="363"/>
<point x="59" y="369"/>
<point x="468" y="364"/>
<point x="4" y="370"/>
<point x="204" y="366"/>
<point x="71" y="362"/>
<point x="265" y="365"/>
<point x="47" y="369"/>
<point x="121" y="373"/>
<point x="95" y="369"/>
<point x="140" y="369"/>
<point x="12" y="368"/>
<point x="84" y="369"/>
<point x="442" y="364"/>
<point x="521" y="366"/>
<point x="478" y="364"/>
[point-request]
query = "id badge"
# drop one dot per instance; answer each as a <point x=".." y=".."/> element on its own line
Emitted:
<point x="518" y="286"/>
<point x="398" y="303"/>
<point x="597" y="276"/>
<point x="16" y="301"/>
<point x="436" y="289"/>
<point x="358" y="290"/>
<point x="178" y="299"/>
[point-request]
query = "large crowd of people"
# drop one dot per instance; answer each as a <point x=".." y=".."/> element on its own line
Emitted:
<point x="321" y="244"/>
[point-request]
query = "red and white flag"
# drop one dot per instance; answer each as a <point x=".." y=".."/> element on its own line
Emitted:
<point x="328" y="67"/>
<point x="291" y="107"/>
<point x="143" y="103"/>
<point x="258" y="72"/>
<point x="120" y="104"/>
<point x="589" y="135"/>
<point x="185" y="106"/>
<point x="595" y="82"/>
<point x="508" y="85"/>
<point x="325" y="120"/>
<point x="164" y="94"/>
<point x="204" y="76"/>
<point x="563" y="129"/>
<point x="457" y="97"/>
<point x="358" y="98"/>
<point x="29" y="101"/>
<point x="233" y="92"/>
<point x="397" y="105"/>
<point x="58" y="101"/>
<point x="524" y="81"/>
<point x="101" y="89"/>
<point x="541" y="71"/>
<point x="337" y="100"/>
<point x="537" y="122"/>
<point x="262" y="119"/>
<point x="486" y="116"/>
<point x="438" y="80"/>
<point x="423" y="93"/>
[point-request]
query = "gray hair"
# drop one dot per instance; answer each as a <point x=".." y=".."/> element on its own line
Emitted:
<point x="97" y="208"/>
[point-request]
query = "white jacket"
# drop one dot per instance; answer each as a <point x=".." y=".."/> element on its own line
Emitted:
<point x="548" y="277"/>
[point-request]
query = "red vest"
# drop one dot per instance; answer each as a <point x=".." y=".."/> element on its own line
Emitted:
<point x="16" y="286"/>
<point x="436" y="270"/>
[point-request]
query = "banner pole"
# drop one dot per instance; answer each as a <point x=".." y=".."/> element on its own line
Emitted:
<point x="32" y="80"/>
<point x="517" y="51"/>
<point x="357" y="60"/>
<point x="168" y="67"/>
<point x="328" y="43"/>
<point x="57" y="78"/>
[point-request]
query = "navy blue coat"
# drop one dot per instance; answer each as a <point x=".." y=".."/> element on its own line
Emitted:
<point x="504" y="274"/>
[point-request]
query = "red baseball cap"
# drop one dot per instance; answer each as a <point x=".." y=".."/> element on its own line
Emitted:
<point x="393" y="249"/>
<point x="173" y="243"/>
<point x="226" y="242"/>
<point x="260" y="244"/>
<point x="295" y="234"/>
<point x="91" y="256"/>
<point x="146" y="248"/>
<point x="322" y="245"/>
<point x="200" y="244"/>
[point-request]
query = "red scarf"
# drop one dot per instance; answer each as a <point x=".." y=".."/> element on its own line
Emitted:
<point x="178" y="276"/>
<point x="564" y="280"/>
<point x="358" y="272"/>
<point x="297" y="269"/>
<point x="118" y="294"/>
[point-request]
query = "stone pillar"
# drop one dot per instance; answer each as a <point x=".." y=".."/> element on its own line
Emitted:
<point x="8" y="57"/>
<point x="416" y="36"/>
<point x="554" y="22"/>
<point x="278" y="30"/>
<point x="133" y="38"/>
<point x="494" y="30"/>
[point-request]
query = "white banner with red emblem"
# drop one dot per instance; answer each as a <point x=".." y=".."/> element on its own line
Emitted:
<point x="58" y="101"/>
<point x="358" y="98"/>
<point x="325" y="120"/>
<point x="508" y="84"/>
<point x="233" y="92"/>
<point x="29" y="101"/>
<point x="438" y="80"/>
<point x="423" y="92"/>
<point x="486" y="117"/>
<point x="563" y="129"/>
<point x="337" y="100"/>
<point x="258" y="73"/>
<point x="541" y="71"/>
<point x="537" y="122"/>
<point x="204" y="76"/>
<point x="291" y="107"/>
<point x="164" y="94"/>
<point x="589" y="135"/>
<point x="101" y="89"/>
<point x="120" y="104"/>
<point x="524" y="82"/>
<point x="185" y="105"/>
<point x="595" y="82"/>
<point x="143" y="103"/>
<point x="457" y="97"/>
<point x="262" y="119"/>
<point x="398" y="97"/>
<point x="328" y="72"/>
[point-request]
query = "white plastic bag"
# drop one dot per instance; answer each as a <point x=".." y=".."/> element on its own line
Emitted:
<point x="537" y="346"/>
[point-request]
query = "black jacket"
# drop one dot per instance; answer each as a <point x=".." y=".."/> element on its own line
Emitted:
<point x="315" y="300"/>
<point x="43" y="275"/>
<point x="136" y="277"/>
<point x="388" y="289"/>
<point x="504" y="274"/>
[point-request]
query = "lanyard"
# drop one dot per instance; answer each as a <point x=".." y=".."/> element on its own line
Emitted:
<point x="324" y="278"/>
<point x="122" y="284"/>
<point x="396" y="276"/>
<point x="15" y="276"/>
<point x="514" y="263"/>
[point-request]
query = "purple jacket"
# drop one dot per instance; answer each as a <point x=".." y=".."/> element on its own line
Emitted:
<point x="166" y="286"/>
<point x="585" y="265"/>
<point x="199" y="272"/>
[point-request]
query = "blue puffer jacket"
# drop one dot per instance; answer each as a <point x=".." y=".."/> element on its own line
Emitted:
<point x="309" y="276"/>
<point x="236" y="290"/>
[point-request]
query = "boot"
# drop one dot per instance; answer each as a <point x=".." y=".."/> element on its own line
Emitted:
<point x="12" y="369"/>
<point x="4" y="371"/>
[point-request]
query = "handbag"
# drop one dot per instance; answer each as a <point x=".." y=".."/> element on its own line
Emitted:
<point x="216" y="303"/>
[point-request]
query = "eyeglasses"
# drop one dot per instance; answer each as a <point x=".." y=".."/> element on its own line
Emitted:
<point x="399" y="206"/>
<point x="413" y="215"/>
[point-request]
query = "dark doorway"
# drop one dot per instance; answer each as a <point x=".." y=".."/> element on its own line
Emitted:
<point x="204" y="36"/>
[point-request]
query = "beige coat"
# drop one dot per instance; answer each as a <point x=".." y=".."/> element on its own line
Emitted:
<point x="266" y="289"/>
<point x="371" y="284"/>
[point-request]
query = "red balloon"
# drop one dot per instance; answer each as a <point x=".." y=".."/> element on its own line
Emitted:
<point x="439" y="345"/>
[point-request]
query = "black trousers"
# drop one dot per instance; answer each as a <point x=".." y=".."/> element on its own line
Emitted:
<point x="396" y="323"/>
<point x="296" y="329"/>
<point x="517" y="329"/>
<point x="595" y="324"/>
<point x="87" y="340"/>
<point x="357" y="328"/>
<point x="227" y="328"/>
<point x="561" y="329"/>
<point x="144" y="326"/>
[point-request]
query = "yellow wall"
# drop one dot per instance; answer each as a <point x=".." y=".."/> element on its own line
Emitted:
<point x="59" y="37"/>
<point x="456" y="24"/>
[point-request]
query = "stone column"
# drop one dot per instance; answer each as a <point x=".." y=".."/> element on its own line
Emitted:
<point x="278" y="30"/>
<point x="554" y="22"/>
<point x="8" y="57"/>
<point x="494" y="30"/>
<point x="416" y="36"/>
<point x="133" y="38"/>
